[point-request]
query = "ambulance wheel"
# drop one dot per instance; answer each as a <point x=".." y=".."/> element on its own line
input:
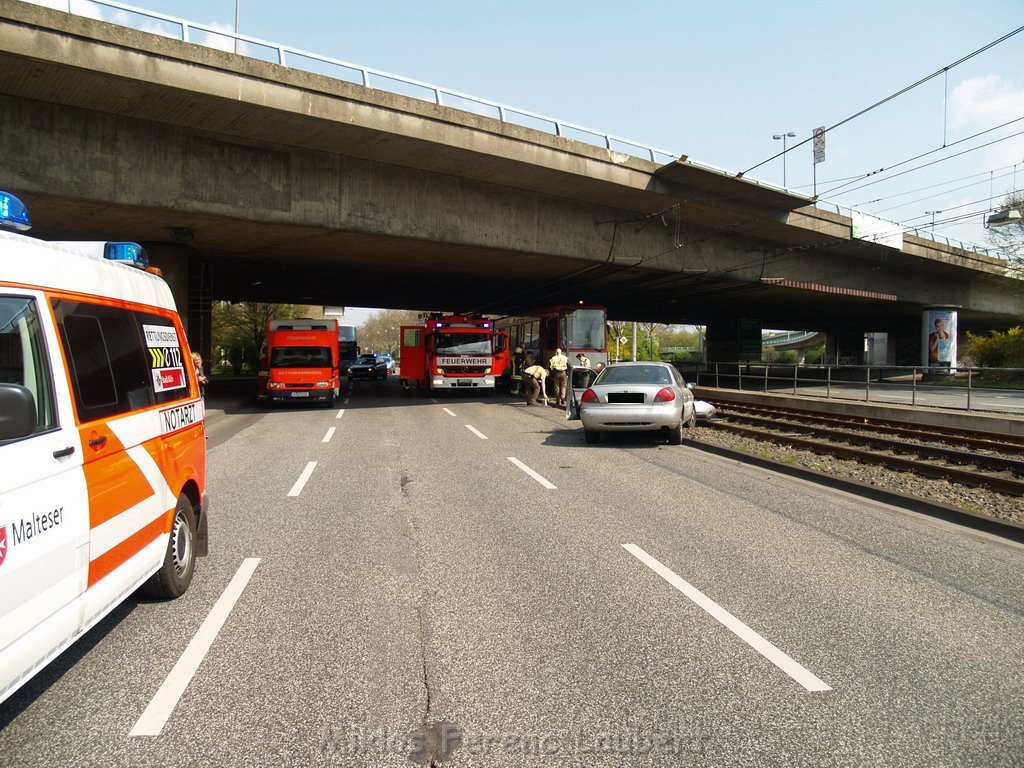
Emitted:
<point x="179" y="564"/>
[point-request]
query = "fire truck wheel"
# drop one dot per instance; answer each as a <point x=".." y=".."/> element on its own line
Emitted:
<point x="179" y="564"/>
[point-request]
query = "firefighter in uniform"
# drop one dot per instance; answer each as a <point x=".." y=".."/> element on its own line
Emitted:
<point x="532" y="378"/>
<point x="559" y="363"/>
<point x="517" y="369"/>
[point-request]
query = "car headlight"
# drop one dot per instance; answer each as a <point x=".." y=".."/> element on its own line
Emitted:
<point x="275" y="385"/>
<point x="440" y="370"/>
<point x="323" y="384"/>
<point x="487" y="370"/>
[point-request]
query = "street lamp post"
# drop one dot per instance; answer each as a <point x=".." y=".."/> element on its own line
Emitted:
<point x="784" y="136"/>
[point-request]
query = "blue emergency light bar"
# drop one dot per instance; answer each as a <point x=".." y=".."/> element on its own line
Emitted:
<point x="127" y="253"/>
<point x="13" y="213"/>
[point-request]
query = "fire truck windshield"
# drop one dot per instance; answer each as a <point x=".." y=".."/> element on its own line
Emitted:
<point x="300" y="357"/>
<point x="462" y="344"/>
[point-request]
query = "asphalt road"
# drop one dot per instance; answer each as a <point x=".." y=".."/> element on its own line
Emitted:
<point x="421" y="589"/>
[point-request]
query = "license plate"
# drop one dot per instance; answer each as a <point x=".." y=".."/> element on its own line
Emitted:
<point x="625" y="397"/>
<point x="463" y="381"/>
<point x="300" y="394"/>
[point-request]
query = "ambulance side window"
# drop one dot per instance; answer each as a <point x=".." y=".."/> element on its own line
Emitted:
<point x="109" y="372"/>
<point x="165" y="357"/>
<point x="23" y="357"/>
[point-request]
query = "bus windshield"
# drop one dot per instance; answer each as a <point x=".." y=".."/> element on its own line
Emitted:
<point x="584" y="329"/>
<point x="462" y="344"/>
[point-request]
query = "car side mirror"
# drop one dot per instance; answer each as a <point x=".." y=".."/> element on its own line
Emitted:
<point x="17" y="412"/>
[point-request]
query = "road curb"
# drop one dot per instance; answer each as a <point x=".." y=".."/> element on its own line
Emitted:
<point x="1002" y="528"/>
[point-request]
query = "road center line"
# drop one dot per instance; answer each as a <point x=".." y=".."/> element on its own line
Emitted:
<point x="301" y="482"/>
<point x="450" y="413"/>
<point x="784" y="662"/>
<point x="329" y="435"/>
<point x="476" y="431"/>
<point x="341" y="412"/>
<point x="532" y="474"/>
<point x="154" y="718"/>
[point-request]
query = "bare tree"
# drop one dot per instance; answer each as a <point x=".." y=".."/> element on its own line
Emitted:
<point x="380" y="331"/>
<point x="1009" y="240"/>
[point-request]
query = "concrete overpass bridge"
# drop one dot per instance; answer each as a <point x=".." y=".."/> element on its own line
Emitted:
<point x="251" y="181"/>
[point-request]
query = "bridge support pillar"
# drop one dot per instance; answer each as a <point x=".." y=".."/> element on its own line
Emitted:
<point x="905" y="344"/>
<point x="722" y="343"/>
<point x="845" y="348"/>
<point x="188" y="274"/>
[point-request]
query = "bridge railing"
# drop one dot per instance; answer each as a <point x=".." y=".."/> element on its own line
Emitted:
<point x="228" y="40"/>
<point x="960" y="388"/>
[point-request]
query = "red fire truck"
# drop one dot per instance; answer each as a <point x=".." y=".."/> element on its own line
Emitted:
<point x="301" y="364"/>
<point x="452" y="352"/>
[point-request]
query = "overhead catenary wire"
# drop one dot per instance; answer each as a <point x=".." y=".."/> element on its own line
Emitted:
<point x="986" y="174"/>
<point x="895" y="95"/>
<point x="925" y="154"/>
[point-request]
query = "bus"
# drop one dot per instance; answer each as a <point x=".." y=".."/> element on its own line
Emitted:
<point x="348" y="348"/>
<point x="573" y="328"/>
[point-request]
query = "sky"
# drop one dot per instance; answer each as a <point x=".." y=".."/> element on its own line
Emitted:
<point x="715" y="82"/>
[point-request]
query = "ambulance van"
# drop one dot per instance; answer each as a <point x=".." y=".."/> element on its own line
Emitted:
<point x="102" y="442"/>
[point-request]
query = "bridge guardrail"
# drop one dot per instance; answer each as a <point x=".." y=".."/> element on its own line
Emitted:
<point x="962" y="388"/>
<point x="286" y="56"/>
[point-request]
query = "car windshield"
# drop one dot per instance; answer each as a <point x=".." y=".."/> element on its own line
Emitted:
<point x="367" y="360"/>
<point x="635" y="374"/>
<point x="462" y="344"/>
<point x="301" y="357"/>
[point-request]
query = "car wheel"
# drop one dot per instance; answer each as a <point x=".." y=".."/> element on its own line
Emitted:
<point x="691" y="422"/>
<point x="591" y="435"/>
<point x="675" y="434"/>
<point x="179" y="564"/>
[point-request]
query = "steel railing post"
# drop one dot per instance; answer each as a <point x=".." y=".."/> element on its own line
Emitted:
<point x="717" y="384"/>
<point x="796" y="369"/>
<point x="969" y="372"/>
<point x="867" y="385"/>
<point x="913" y="386"/>
<point x="828" y="381"/>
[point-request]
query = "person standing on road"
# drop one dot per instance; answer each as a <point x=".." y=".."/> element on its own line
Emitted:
<point x="518" y="363"/>
<point x="532" y="378"/>
<point x="197" y="362"/>
<point x="559" y="363"/>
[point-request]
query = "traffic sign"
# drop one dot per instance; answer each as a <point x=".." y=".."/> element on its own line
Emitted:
<point x="819" y="145"/>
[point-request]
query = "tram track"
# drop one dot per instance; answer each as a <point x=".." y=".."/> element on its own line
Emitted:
<point x="992" y="461"/>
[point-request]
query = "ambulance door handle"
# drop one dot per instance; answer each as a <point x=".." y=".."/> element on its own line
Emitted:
<point x="64" y="452"/>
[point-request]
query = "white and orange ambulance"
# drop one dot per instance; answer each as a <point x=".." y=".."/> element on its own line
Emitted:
<point x="102" y="442"/>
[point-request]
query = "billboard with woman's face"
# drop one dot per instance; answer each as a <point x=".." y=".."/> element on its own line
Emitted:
<point x="939" y="338"/>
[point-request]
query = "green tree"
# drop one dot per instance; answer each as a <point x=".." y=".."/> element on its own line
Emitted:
<point x="998" y="349"/>
<point x="240" y="332"/>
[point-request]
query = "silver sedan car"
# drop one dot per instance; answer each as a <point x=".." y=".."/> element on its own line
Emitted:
<point x="627" y="397"/>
